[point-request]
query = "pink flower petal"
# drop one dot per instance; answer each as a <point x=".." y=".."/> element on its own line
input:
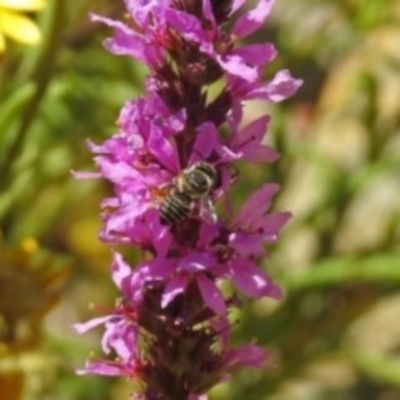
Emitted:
<point x="260" y="154"/>
<point x="187" y="25"/>
<point x="206" y="141"/>
<point x="163" y="149"/>
<point x="252" y="20"/>
<point x="196" y="262"/>
<point x="251" y="281"/>
<point x="256" y="205"/>
<point x="208" y="12"/>
<point x="236" y="4"/>
<point x="86" y="175"/>
<point x="236" y="65"/>
<point x="282" y="86"/>
<point x="125" y="40"/>
<point x="246" y="356"/>
<point x="271" y="224"/>
<point x="255" y="131"/>
<point x="256" y="54"/>
<point x="93" y="323"/>
<point x="161" y="268"/>
<point x="174" y="287"/>
<point x="120" y="270"/>
<point x="211" y="294"/>
<point x="100" y="368"/>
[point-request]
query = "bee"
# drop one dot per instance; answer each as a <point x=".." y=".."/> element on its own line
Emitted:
<point x="193" y="185"/>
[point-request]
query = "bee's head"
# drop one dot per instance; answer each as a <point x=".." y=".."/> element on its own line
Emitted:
<point x="199" y="179"/>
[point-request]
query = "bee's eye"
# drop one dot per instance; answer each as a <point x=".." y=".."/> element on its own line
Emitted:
<point x="197" y="180"/>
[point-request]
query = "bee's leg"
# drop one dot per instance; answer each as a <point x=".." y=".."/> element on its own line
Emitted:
<point x="206" y="210"/>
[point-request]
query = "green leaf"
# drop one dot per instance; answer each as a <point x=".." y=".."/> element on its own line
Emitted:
<point x="11" y="108"/>
<point x="380" y="267"/>
<point x="381" y="367"/>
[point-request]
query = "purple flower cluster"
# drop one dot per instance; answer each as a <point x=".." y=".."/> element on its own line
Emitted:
<point x="170" y="329"/>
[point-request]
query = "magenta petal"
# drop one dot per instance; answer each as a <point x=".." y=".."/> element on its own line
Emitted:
<point x="120" y="270"/>
<point x="271" y="225"/>
<point x="142" y="10"/>
<point x="237" y="66"/>
<point x="255" y="131"/>
<point x="125" y="217"/>
<point x="117" y="172"/>
<point x="256" y="54"/>
<point x="227" y="155"/>
<point x="86" y="175"/>
<point x="163" y="150"/>
<point x="208" y="13"/>
<point x="93" y="323"/>
<point x="129" y="283"/>
<point x="122" y="337"/>
<point x="252" y="20"/>
<point x="161" y="237"/>
<point x="111" y="202"/>
<point x="247" y="245"/>
<point x="125" y="40"/>
<point x="236" y="4"/>
<point x="211" y="294"/>
<point x="282" y="86"/>
<point x="205" y="143"/>
<point x="110" y="336"/>
<point x="161" y="268"/>
<point x="123" y="347"/>
<point x="256" y="205"/>
<point x="100" y="368"/>
<point x="248" y="141"/>
<point x="246" y="356"/>
<point x="176" y="122"/>
<point x="251" y="281"/>
<point x="207" y="234"/>
<point x="97" y="149"/>
<point x="174" y="287"/>
<point x="260" y="154"/>
<point x="107" y="337"/>
<point x="187" y="25"/>
<point x="196" y="262"/>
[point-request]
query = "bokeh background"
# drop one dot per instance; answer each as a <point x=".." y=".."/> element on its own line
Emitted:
<point x="336" y="334"/>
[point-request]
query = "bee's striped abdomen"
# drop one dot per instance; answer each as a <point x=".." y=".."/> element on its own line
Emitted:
<point x="175" y="208"/>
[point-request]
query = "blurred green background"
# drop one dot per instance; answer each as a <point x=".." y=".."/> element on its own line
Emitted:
<point x="336" y="334"/>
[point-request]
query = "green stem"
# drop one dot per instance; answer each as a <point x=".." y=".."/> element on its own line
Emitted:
<point x="3" y="69"/>
<point x="40" y="72"/>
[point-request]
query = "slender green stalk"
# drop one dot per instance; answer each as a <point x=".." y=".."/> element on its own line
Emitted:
<point x="39" y="72"/>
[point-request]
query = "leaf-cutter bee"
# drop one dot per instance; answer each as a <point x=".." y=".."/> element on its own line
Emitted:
<point x="193" y="185"/>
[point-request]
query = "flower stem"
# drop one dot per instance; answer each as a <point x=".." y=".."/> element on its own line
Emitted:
<point x="38" y="71"/>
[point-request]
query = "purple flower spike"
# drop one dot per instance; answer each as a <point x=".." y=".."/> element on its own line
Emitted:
<point x="169" y="163"/>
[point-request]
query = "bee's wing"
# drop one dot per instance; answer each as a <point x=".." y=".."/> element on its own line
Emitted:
<point x="207" y="210"/>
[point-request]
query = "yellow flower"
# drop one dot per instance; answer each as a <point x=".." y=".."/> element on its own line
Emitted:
<point x="16" y="25"/>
